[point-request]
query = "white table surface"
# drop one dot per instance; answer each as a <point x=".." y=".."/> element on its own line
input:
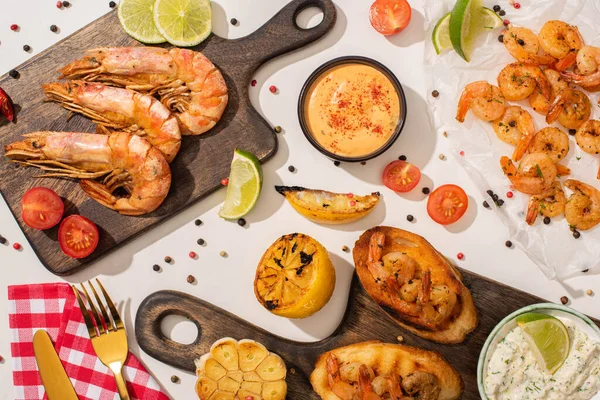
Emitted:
<point x="227" y="282"/>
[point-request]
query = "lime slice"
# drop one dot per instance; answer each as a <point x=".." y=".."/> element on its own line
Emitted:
<point x="548" y="337"/>
<point x="441" y="34"/>
<point x="464" y="26"/>
<point x="183" y="22"/>
<point x="489" y="19"/>
<point x="245" y="182"/>
<point x="137" y="19"/>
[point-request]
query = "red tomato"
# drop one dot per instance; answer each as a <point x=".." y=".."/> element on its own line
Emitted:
<point x="447" y="204"/>
<point x="78" y="236"/>
<point x="6" y="107"/>
<point x="41" y="208"/>
<point x="401" y="176"/>
<point x="389" y="17"/>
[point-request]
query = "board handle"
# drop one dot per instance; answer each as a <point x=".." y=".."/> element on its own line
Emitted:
<point x="281" y="34"/>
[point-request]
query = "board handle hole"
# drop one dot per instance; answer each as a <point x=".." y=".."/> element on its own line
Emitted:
<point x="309" y="17"/>
<point x="179" y="329"/>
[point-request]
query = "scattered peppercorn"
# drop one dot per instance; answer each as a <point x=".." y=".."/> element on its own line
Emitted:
<point x="223" y="253"/>
<point x="241" y="222"/>
<point x="156" y="267"/>
<point x="490" y="192"/>
<point x="336" y="163"/>
<point x="200" y="241"/>
<point x="349" y="195"/>
<point x="410" y="218"/>
<point x="435" y="93"/>
<point x="494" y="197"/>
<point x="425" y="190"/>
<point x="345" y="248"/>
<point x="485" y="204"/>
<point x="17" y="246"/>
<point x="14" y="27"/>
<point x="174" y="379"/>
<point x="497" y="8"/>
<point x="576" y="234"/>
<point x="26" y="47"/>
<point x="168" y="260"/>
<point x="224" y="181"/>
<point x="253" y="82"/>
<point x="112" y="4"/>
<point x="586" y="270"/>
<point x="233" y="21"/>
<point x="1" y="360"/>
<point x="501" y="38"/>
<point x="572" y="131"/>
<point x="191" y="279"/>
<point x="249" y="398"/>
<point x="508" y="244"/>
<point x="53" y="28"/>
<point x="546" y="220"/>
<point x="500" y="203"/>
<point x="445" y="134"/>
<point x="517" y="5"/>
<point x="291" y="168"/>
<point x="66" y="4"/>
<point x="292" y="371"/>
<point x="509" y="195"/>
<point x="2" y="240"/>
<point x="400" y="339"/>
<point x="352" y="203"/>
<point x="13" y="73"/>
<point x="363" y="163"/>
<point x="521" y="42"/>
<point x="460" y="256"/>
<point x="273" y="89"/>
<point x="502" y="13"/>
<point x="402" y="158"/>
<point x="442" y="157"/>
<point x="589" y="292"/>
<point x="462" y="153"/>
<point x="193" y="254"/>
<point x="198" y="222"/>
<point x="564" y="299"/>
<point x="277" y="129"/>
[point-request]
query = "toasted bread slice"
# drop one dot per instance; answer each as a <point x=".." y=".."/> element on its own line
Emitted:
<point x="396" y="359"/>
<point x="457" y="322"/>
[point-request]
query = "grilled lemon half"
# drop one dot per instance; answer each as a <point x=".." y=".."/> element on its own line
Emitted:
<point x="236" y="370"/>
<point x="328" y="207"/>
<point x="295" y="277"/>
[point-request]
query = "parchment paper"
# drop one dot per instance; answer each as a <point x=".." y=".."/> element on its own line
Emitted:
<point x="552" y="247"/>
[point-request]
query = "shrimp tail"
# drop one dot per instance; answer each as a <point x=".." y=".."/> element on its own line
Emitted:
<point x="544" y="86"/>
<point x="566" y="62"/>
<point x="522" y="147"/>
<point x="463" y="106"/>
<point x="561" y="170"/>
<point x="556" y="107"/>
<point x="508" y="167"/>
<point x="598" y="174"/>
<point x="533" y="209"/>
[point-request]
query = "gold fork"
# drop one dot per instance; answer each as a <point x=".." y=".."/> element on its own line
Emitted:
<point x="110" y="343"/>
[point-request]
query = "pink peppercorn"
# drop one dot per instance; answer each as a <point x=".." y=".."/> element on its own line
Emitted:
<point x="273" y="89"/>
<point x="506" y="22"/>
<point x="460" y="256"/>
<point x="14" y="27"/>
<point x="59" y="4"/>
<point x="253" y="83"/>
<point x="350" y="195"/>
<point x="192" y="254"/>
<point x="462" y="153"/>
<point x="17" y="246"/>
<point x="224" y="181"/>
<point x="517" y="5"/>
<point x="352" y="203"/>
<point x="509" y="195"/>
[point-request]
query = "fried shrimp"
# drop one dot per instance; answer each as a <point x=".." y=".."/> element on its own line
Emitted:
<point x="513" y="125"/>
<point x="485" y="100"/>
<point x="588" y="138"/>
<point x="517" y="81"/>
<point x="120" y="109"/>
<point x="524" y="45"/>
<point x="535" y="174"/>
<point x="571" y="107"/>
<point x="186" y="81"/>
<point x="582" y="210"/>
<point x="538" y="101"/>
<point x="588" y="68"/>
<point x="551" y="141"/>
<point x="121" y="159"/>
<point x="550" y="204"/>
<point x="561" y="41"/>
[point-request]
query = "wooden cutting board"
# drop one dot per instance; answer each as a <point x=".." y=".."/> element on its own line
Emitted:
<point x="364" y="320"/>
<point x="203" y="160"/>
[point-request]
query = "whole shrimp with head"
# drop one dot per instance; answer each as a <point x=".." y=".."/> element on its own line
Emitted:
<point x="120" y="109"/>
<point x="534" y="175"/>
<point x="582" y="210"/>
<point x="485" y="100"/>
<point x="122" y="160"/>
<point x="186" y="81"/>
<point x="561" y="41"/>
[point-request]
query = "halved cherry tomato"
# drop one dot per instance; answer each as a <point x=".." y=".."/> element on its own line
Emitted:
<point x="389" y="17"/>
<point x="6" y="107"/>
<point x="401" y="176"/>
<point x="78" y="236"/>
<point x="41" y="208"/>
<point x="447" y="204"/>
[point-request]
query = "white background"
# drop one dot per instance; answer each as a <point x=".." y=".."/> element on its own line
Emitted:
<point x="127" y="273"/>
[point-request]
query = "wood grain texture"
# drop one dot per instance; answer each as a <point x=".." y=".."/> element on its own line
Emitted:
<point x="203" y="160"/>
<point x="364" y="320"/>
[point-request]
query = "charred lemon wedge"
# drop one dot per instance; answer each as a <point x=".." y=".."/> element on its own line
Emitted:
<point x="327" y="207"/>
<point x="238" y="370"/>
<point x="295" y="277"/>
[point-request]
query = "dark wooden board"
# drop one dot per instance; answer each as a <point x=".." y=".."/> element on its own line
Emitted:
<point x="203" y="160"/>
<point x="364" y="320"/>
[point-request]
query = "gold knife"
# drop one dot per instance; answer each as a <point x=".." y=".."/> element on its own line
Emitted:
<point x="54" y="377"/>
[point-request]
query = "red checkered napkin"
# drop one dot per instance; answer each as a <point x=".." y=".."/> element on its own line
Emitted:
<point x="53" y="307"/>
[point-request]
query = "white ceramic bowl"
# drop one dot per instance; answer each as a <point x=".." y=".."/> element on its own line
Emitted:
<point x="509" y="323"/>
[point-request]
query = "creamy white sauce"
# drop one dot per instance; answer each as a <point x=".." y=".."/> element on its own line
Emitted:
<point x="514" y="374"/>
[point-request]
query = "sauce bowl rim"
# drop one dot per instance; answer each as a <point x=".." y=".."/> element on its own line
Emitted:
<point x="350" y="60"/>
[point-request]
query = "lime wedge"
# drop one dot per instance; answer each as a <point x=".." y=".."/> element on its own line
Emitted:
<point x="548" y="337"/>
<point x="441" y="34"/>
<point x="183" y="23"/>
<point x="245" y="182"/>
<point x="464" y="26"/>
<point x="489" y="19"/>
<point x="137" y="19"/>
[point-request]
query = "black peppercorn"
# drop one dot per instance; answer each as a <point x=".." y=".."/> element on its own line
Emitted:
<point x="585" y="270"/>
<point x="500" y="203"/>
<point x="410" y="218"/>
<point x="564" y="299"/>
<point x="402" y="158"/>
<point x="495" y="197"/>
<point x="291" y="168"/>
<point x="508" y="244"/>
<point x="174" y="379"/>
<point x="363" y="163"/>
<point x="501" y="38"/>
<point x="26" y="47"/>
<point x="502" y="13"/>
<point x="576" y="234"/>
<point x="546" y="220"/>
<point x="200" y="241"/>
<point x="521" y="42"/>
<point x="2" y="240"/>
<point x="485" y="204"/>
<point x="191" y="279"/>
<point x="233" y="21"/>
<point x="435" y="93"/>
<point x="66" y="4"/>
<point x="156" y="267"/>
<point x="54" y="28"/>
<point x="198" y="222"/>
<point x="572" y="131"/>
<point x="112" y="4"/>
<point x="241" y="222"/>
<point x="425" y="190"/>
<point x="497" y="8"/>
<point x="13" y="73"/>
<point x="336" y="163"/>
<point x="168" y="260"/>
<point x="490" y="192"/>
